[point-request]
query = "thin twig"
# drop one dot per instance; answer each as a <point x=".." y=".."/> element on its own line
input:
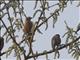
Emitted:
<point x="50" y="51"/>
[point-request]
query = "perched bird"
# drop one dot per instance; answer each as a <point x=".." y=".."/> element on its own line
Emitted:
<point x="28" y="25"/>
<point x="28" y="29"/>
<point x="1" y="44"/>
<point x="78" y="28"/>
<point x="56" y="41"/>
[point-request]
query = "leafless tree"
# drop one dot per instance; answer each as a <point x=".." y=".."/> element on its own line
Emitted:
<point x="16" y="24"/>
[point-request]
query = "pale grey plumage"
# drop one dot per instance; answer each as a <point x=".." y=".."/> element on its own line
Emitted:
<point x="56" y="41"/>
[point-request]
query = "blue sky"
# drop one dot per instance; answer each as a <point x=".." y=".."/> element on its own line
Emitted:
<point x="43" y="42"/>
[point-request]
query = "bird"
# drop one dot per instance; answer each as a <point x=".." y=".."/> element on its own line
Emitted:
<point x="56" y="41"/>
<point x="28" y="30"/>
<point x="28" y="25"/>
<point x="1" y="44"/>
<point x="78" y="28"/>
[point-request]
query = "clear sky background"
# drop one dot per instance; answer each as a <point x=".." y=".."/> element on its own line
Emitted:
<point x="43" y="42"/>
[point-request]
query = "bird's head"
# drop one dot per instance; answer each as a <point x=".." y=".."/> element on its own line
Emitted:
<point x="57" y="35"/>
<point x="28" y="18"/>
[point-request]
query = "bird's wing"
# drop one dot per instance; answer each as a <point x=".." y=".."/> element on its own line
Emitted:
<point x="53" y="42"/>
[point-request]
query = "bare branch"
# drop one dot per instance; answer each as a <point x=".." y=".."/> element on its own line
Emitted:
<point x="48" y="52"/>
